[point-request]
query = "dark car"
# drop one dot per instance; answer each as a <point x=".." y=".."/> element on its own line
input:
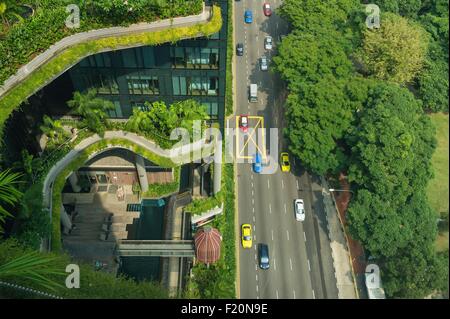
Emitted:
<point x="264" y="256"/>
<point x="240" y="49"/>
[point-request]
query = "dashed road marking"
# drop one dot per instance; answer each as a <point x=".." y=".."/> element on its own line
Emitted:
<point x="285" y="209"/>
<point x="272" y="234"/>
<point x="268" y="184"/>
<point x="309" y="265"/>
<point x="294" y="294"/>
<point x="314" y="295"/>
<point x="290" y="262"/>
<point x="270" y="208"/>
<point x="274" y="264"/>
<point x="304" y="236"/>
<point x="287" y="233"/>
<point x="277" y="293"/>
<point x="256" y="277"/>
<point x="282" y="184"/>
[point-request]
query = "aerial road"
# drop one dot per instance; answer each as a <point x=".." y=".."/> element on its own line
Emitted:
<point x="300" y="261"/>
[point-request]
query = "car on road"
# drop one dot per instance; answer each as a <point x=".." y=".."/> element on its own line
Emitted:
<point x="268" y="42"/>
<point x="248" y="16"/>
<point x="246" y="231"/>
<point x="257" y="164"/>
<point x="243" y="123"/>
<point x="285" y="163"/>
<point x="267" y="9"/>
<point x="299" y="208"/>
<point x="263" y="251"/>
<point x="264" y="64"/>
<point x="240" y="49"/>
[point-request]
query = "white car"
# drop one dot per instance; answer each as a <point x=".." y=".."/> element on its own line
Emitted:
<point x="299" y="208"/>
<point x="264" y="63"/>
<point x="268" y="43"/>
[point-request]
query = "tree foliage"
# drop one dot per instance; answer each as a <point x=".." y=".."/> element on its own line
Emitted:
<point x="396" y="51"/>
<point x="92" y="109"/>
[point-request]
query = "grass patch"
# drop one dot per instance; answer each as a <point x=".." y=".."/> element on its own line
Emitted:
<point x="438" y="187"/>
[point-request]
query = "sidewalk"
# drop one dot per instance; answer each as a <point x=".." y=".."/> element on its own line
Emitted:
<point x="341" y="257"/>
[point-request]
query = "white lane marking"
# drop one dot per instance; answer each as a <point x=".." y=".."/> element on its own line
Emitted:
<point x="253" y="193"/>
<point x="256" y="288"/>
<point x="277" y="293"/>
<point x="277" y="25"/>
<point x="253" y="211"/>
<point x="272" y="234"/>
<point x="285" y="209"/>
<point x="274" y="264"/>
<point x="282" y="184"/>
<point x="270" y="208"/>
<point x="255" y="256"/>
<point x="294" y="293"/>
<point x="254" y="237"/>
<point x="254" y="228"/>
<point x="253" y="201"/>
<point x="309" y="266"/>
<point x="304" y="235"/>
<point x="290" y="262"/>
<point x="297" y="185"/>
<point x="287" y="233"/>
<point x="255" y="247"/>
<point x="252" y="183"/>
<point x="254" y="217"/>
<point x="314" y="295"/>
<point x="256" y="267"/>
<point x="256" y="277"/>
<point x="268" y="184"/>
<point x="251" y="176"/>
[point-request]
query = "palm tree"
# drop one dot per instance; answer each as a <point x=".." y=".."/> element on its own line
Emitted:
<point x="9" y="194"/>
<point x="92" y="108"/>
<point x="35" y="267"/>
<point x="54" y="130"/>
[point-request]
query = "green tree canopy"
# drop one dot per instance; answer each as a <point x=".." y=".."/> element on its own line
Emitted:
<point x="92" y="109"/>
<point x="396" y="51"/>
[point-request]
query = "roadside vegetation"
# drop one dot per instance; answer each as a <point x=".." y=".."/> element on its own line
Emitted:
<point x="357" y="104"/>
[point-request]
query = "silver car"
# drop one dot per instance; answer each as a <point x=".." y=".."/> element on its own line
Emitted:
<point x="264" y="63"/>
<point x="299" y="208"/>
<point x="268" y="43"/>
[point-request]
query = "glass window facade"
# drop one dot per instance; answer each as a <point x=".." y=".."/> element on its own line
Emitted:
<point x="192" y="68"/>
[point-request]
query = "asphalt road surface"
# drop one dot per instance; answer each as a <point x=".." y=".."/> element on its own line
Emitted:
<point x="300" y="255"/>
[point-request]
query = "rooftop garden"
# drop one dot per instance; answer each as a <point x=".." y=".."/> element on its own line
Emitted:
<point x="29" y="27"/>
<point x="28" y="38"/>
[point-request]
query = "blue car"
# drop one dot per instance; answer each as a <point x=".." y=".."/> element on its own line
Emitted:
<point x="257" y="164"/>
<point x="248" y="16"/>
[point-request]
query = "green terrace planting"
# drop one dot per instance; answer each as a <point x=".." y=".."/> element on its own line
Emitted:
<point x="158" y="190"/>
<point x="42" y="76"/>
<point x="22" y="40"/>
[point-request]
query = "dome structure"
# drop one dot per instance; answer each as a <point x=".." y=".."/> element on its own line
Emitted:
<point x="207" y="245"/>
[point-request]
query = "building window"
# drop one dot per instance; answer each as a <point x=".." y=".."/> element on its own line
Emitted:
<point x="179" y="85"/>
<point x="129" y="58"/>
<point x="178" y="57"/>
<point x="116" y="112"/>
<point x="212" y="108"/>
<point x="195" y="85"/>
<point x="195" y="58"/>
<point x="149" y="57"/>
<point x="215" y="36"/>
<point x="143" y="84"/>
<point x="139" y="105"/>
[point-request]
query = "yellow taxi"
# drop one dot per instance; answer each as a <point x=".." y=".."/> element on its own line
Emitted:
<point x="285" y="164"/>
<point x="246" y="236"/>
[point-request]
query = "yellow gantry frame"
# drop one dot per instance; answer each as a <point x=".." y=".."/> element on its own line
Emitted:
<point x="259" y="124"/>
